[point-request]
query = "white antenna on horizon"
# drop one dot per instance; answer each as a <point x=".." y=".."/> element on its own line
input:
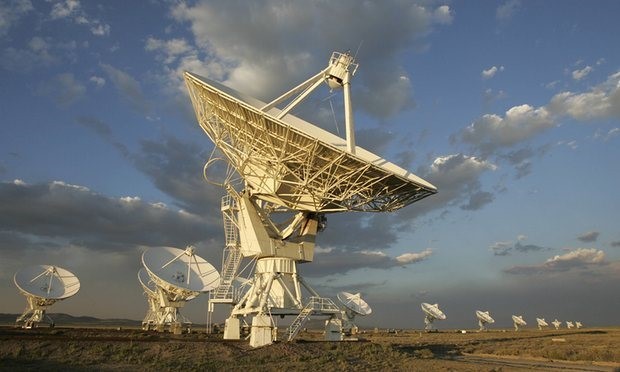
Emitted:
<point x="43" y="285"/>
<point x="556" y="323"/>
<point x="518" y="322"/>
<point x="484" y="318"/>
<point x="431" y="312"/>
<point x="541" y="323"/>
<point x="569" y="325"/>
<point x="578" y="325"/>
<point x="177" y="276"/>
<point x="354" y="305"/>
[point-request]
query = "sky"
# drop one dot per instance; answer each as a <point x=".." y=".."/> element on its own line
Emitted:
<point x="511" y="108"/>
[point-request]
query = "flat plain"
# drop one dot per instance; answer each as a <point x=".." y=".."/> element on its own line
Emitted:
<point x="115" y="349"/>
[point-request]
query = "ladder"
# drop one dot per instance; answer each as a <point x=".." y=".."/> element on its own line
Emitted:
<point x="301" y="319"/>
<point x="232" y="254"/>
<point x="316" y="305"/>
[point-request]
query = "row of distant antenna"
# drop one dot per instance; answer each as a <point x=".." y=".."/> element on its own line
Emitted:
<point x="432" y="313"/>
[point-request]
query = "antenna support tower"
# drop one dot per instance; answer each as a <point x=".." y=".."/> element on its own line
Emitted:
<point x="291" y="169"/>
<point x="484" y="318"/>
<point x="43" y="285"/>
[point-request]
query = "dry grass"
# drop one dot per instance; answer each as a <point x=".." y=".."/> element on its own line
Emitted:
<point x="86" y="349"/>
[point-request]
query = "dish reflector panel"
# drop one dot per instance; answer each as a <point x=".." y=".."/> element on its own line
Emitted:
<point x="295" y="164"/>
<point x="146" y="282"/>
<point x="433" y="310"/>
<point x="181" y="269"/>
<point x="354" y="303"/>
<point x="46" y="281"/>
<point x="484" y="316"/>
<point x="519" y="320"/>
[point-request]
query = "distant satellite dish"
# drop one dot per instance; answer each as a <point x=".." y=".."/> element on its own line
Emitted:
<point x="518" y="321"/>
<point x="541" y="323"/>
<point x="578" y="325"/>
<point x="432" y="312"/>
<point x="43" y="285"/>
<point x="556" y="323"/>
<point x="178" y="276"/>
<point x="569" y="325"/>
<point x="484" y="318"/>
<point x="354" y="305"/>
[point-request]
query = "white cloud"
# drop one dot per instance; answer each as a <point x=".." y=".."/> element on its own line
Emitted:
<point x="491" y="71"/>
<point x="507" y="9"/>
<point x="518" y="124"/>
<point x="97" y="80"/>
<point x="601" y="102"/>
<point x="266" y="63"/>
<point x="411" y="257"/>
<point x="65" y="9"/>
<point x="580" y="74"/>
<point x="72" y="10"/>
<point x="579" y="259"/>
<point x="11" y="12"/>
<point x="443" y="15"/>
<point x="613" y="132"/>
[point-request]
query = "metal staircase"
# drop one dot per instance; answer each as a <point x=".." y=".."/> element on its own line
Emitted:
<point x="232" y="255"/>
<point x="316" y="305"/>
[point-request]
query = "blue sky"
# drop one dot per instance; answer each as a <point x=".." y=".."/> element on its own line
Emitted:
<point x="511" y="108"/>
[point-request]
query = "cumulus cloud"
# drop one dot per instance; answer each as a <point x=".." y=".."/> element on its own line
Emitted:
<point x="338" y="261"/>
<point x="37" y="53"/>
<point x="491" y="71"/>
<point x="58" y="212"/>
<point x="63" y="89"/>
<point x="72" y="10"/>
<point x="581" y="258"/>
<point x="588" y="237"/>
<point x="601" y="102"/>
<point x="582" y="73"/>
<point x="11" y="12"/>
<point x="520" y="123"/>
<point x="128" y="87"/>
<point x="266" y="55"/>
<point x="504" y="248"/>
<point x="411" y="257"/>
<point x="508" y="9"/>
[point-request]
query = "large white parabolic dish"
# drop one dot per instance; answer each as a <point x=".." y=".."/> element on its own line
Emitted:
<point x="177" y="270"/>
<point x="354" y="302"/>
<point x="541" y="322"/>
<point x="146" y="282"/>
<point x="519" y="320"/>
<point x="295" y="164"/>
<point x="433" y="311"/>
<point x="47" y="282"/>
<point x="484" y="316"/>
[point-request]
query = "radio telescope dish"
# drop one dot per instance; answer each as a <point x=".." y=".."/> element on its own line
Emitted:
<point x="288" y="165"/>
<point x="178" y="276"/>
<point x="432" y="312"/>
<point x="43" y="285"/>
<point x="578" y="325"/>
<point x="556" y="323"/>
<point x="483" y="318"/>
<point x="541" y="323"/>
<point x="569" y="325"/>
<point x="354" y="305"/>
<point x="518" y="321"/>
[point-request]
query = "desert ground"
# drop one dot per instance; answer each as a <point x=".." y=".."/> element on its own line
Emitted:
<point x="78" y="349"/>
